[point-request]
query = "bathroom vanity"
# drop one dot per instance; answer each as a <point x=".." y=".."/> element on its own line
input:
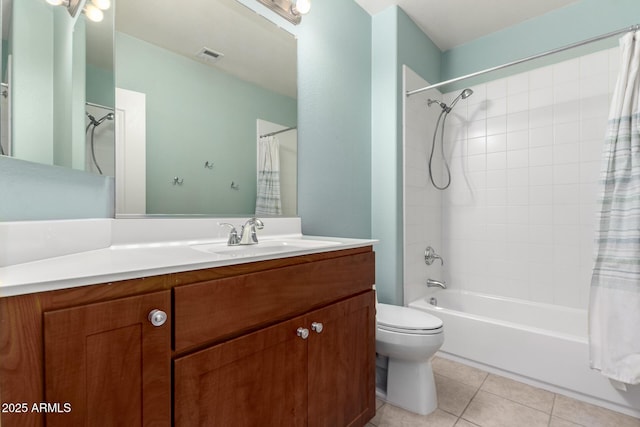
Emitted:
<point x="272" y="342"/>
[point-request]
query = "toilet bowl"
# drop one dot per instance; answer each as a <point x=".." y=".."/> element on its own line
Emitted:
<point x="409" y="338"/>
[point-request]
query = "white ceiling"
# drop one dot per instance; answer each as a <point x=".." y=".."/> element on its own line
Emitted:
<point x="450" y="23"/>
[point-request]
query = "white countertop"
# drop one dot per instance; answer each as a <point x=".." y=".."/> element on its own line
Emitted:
<point x="128" y="260"/>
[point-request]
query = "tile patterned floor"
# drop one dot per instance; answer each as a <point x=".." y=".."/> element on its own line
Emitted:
<point x="470" y="397"/>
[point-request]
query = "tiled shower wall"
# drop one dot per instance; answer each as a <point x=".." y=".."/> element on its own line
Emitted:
<point x="519" y="217"/>
<point x="422" y="202"/>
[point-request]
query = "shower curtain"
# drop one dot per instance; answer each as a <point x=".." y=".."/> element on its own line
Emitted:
<point x="268" y="194"/>
<point x="614" y="312"/>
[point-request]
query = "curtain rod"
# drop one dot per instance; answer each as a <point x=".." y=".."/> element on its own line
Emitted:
<point x="528" y="58"/>
<point x="277" y="132"/>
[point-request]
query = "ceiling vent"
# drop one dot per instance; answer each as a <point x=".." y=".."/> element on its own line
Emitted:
<point x="209" y="55"/>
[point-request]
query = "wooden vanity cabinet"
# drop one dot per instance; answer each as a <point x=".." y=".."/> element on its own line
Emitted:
<point x="312" y="370"/>
<point x="109" y="363"/>
<point x="229" y="352"/>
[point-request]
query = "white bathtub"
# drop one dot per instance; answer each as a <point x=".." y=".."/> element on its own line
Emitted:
<point x="540" y="344"/>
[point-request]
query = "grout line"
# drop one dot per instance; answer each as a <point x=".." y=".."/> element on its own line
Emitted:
<point x="473" y="397"/>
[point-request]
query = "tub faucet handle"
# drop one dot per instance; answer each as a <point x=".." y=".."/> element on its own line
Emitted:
<point x="430" y="255"/>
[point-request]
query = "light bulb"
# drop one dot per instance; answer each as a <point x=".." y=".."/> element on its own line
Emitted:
<point x="55" y="2"/>
<point x="301" y="6"/>
<point x="102" y="4"/>
<point x="93" y="13"/>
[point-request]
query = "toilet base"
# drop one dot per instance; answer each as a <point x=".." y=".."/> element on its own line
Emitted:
<point x="411" y="386"/>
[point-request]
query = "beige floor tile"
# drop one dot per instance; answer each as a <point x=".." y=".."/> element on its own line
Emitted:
<point x="530" y="396"/>
<point x="489" y="410"/>
<point x="379" y="403"/>
<point x="453" y="396"/>
<point x="590" y="415"/>
<point x="376" y="418"/>
<point x="559" y="422"/>
<point x="459" y="372"/>
<point x="392" y="416"/>
<point x="464" y="423"/>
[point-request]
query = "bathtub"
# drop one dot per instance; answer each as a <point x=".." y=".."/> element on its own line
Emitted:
<point x="540" y="344"/>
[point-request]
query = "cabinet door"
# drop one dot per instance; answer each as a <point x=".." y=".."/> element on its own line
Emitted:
<point x="109" y="363"/>
<point x="341" y="388"/>
<point x="258" y="379"/>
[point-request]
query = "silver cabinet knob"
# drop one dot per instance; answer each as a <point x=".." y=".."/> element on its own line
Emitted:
<point x="303" y="333"/>
<point x="317" y="326"/>
<point x="157" y="317"/>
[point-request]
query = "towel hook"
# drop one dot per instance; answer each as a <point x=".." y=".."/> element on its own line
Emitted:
<point x="235" y="186"/>
<point x="177" y="180"/>
<point x="208" y="164"/>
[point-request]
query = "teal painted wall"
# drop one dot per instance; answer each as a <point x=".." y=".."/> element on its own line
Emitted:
<point x="32" y="79"/>
<point x="100" y="84"/>
<point x="334" y="120"/>
<point x="396" y="41"/>
<point x="386" y="179"/>
<point x="195" y="114"/>
<point x="570" y="24"/>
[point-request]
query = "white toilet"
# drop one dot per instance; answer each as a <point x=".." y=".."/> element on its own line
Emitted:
<point x="409" y="338"/>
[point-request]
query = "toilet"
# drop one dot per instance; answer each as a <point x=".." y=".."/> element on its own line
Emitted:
<point x="409" y="338"/>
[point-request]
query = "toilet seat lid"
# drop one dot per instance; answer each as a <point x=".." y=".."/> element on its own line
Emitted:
<point x="396" y="317"/>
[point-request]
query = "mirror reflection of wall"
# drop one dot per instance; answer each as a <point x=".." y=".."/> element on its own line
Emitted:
<point x="59" y="71"/>
<point x="200" y="112"/>
<point x="46" y="68"/>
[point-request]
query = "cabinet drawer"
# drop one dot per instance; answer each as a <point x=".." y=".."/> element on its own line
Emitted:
<point x="212" y="310"/>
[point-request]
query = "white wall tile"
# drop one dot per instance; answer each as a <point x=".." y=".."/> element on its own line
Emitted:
<point x="496" y="178"/>
<point x="568" y="173"/>
<point x="497" y="160"/>
<point x="517" y="121"/>
<point x="518" y="102"/>
<point x="595" y="63"/>
<point x="525" y="166"/>
<point x="518" y="140"/>
<point x="566" y="71"/>
<point x="566" y="153"/>
<point x="540" y="156"/>
<point x="541" y="136"/>
<point x="497" y="89"/>
<point x="541" y="116"/>
<point x="541" y="175"/>
<point x="518" y="83"/>
<point x="496" y="107"/>
<point x="542" y="97"/>
<point x="541" y="78"/>
<point x="496" y="125"/>
<point x="496" y="142"/>
<point x="517" y="158"/>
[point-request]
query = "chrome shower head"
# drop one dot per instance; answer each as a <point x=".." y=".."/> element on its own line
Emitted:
<point x="108" y="116"/>
<point x="447" y="108"/>
<point x="464" y="95"/>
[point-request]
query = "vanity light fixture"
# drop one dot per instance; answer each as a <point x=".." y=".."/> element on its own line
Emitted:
<point x="291" y="10"/>
<point x="93" y="10"/>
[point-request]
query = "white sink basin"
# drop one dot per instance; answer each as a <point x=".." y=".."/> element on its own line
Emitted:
<point x="264" y="247"/>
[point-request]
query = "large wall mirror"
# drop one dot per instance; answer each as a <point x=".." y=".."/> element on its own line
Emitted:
<point x="198" y="83"/>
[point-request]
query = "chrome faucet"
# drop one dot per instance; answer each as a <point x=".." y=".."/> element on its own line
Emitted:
<point x="436" y="284"/>
<point x="233" y="239"/>
<point x="248" y="235"/>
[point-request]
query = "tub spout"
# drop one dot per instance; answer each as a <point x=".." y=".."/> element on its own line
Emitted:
<point x="436" y="284"/>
